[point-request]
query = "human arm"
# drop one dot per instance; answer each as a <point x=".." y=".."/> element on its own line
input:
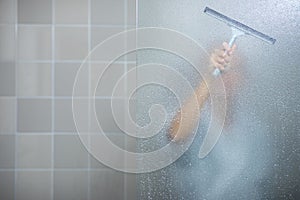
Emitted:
<point x="187" y="117"/>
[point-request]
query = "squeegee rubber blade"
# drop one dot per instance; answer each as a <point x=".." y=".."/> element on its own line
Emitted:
<point x="246" y="29"/>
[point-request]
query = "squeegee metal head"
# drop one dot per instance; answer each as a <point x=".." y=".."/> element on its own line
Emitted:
<point x="244" y="28"/>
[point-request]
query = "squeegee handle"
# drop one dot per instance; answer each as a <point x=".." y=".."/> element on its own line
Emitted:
<point x="217" y="71"/>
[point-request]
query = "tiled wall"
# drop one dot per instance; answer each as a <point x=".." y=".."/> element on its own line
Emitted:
<point x="42" y="44"/>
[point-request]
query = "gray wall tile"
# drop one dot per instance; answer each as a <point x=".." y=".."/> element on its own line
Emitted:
<point x="105" y="117"/>
<point x="34" y="115"/>
<point x="65" y="74"/>
<point x="34" y="151"/>
<point x="131" y="56"/>
<point x="131" y="75"/>
<point x="71" y="43"/>
<point x="7" y="151"/>
<point x="69" y="152"/>
<point x="34" y="43"/>
<point x="7" y="79"/>
<point x="131" y="46"/>
<point x="96" y="140"/>
<point x="131" y="12"/>
<point x="70" y="185"/>
<point x="96" y="164"/>
<point x="131" y="144"/>
<point x="64" y="121"/>
<point x="33" y="185"/>
<point x="108" y="12"/>
<point x="106" y="184"/>
<point x="7" y="181"/>
<point x="7" y="43"/>
<point x="104" y="78"/>
<point x="34" y="79"/>
<point x="81" y="113"/>
<point x="7" y="116"/>
<point x="131" y="186"/>
<point x="71" y="11"/>
<point x="7" y="11"/>
<point x="34" y="11"/>
<point x="100" y="34"/>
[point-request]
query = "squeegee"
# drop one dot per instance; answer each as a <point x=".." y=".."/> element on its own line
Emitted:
<point x="238" y="29"/>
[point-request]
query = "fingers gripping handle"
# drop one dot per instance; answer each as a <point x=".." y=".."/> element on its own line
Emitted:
<point x="235" y="33"/>
<point x="217" y="71"/>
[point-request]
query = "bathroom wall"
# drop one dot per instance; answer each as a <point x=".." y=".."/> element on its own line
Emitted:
<point x="257" y="155"/>
<point x="42" y="45"/>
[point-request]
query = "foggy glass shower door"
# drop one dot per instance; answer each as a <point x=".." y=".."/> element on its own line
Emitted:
<point x="258" y="153"/>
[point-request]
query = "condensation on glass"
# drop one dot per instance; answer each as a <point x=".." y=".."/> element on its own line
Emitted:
<point x="258" y="154"/>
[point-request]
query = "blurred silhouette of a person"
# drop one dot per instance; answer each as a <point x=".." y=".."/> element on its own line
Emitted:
<point x="181" y="125"/>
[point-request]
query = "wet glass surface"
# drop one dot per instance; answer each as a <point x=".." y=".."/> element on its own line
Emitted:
<point x="258" y="154"/>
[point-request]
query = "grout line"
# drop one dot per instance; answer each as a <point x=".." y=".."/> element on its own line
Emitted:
<point x="35" y="25"/>
<point x="136" y="13"/>
<point x="35" y="61"/>
<point x="53" y="97"/>
<point x="8" y="97"/>
<point x="6" y="24"/>
<point x="7" y="133"/>
<point x="136" y="84"/>
<point x="70" y="97"/>
<point x="16" y="98"/>
<point x="125" y="93"/>
<point x="63" y="133"/>
<point x="89" y="94"/>
<point x="55" y="169"/>
<point x="72" y="61"/>
<point x="72" y="25"/>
